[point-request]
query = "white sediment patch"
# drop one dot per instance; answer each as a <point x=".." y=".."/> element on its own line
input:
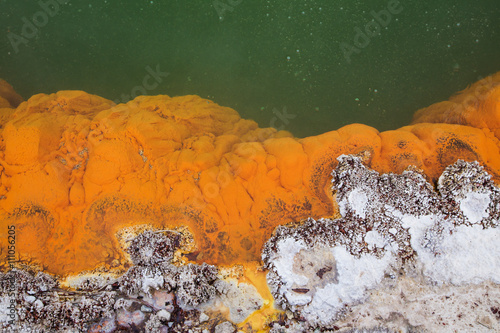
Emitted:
<point x="358" y="202"/>
<point x="475" y="206"/>
<point x="152" y="282"/>
<point x="451" y="237"/>
<point x="374" y="239"/>
<point x="355" y="276"/>
<point x="96" y="280"/>
<point x="411" y="306"/>
<point x="322" y="280"/>
<point x="287" y="249"/>
<point x="462" y="255"/>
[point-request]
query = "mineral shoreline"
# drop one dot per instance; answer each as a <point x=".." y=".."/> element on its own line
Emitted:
<point x="402" y="257"/>
<point x="174" y="214"/>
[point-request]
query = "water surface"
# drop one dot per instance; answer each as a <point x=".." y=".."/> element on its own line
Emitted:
<point x="282" y="63"/>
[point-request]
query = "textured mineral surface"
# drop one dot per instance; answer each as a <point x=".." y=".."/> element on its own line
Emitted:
<point x="153" y="295"/>
<point x="75" y="169"/>
<point x="402" y="256"/>
<point x="175" y="214"/>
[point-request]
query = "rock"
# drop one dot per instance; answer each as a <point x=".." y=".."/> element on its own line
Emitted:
<point x="146" y="309"/>
<point x="106" y="325"/>
<point x="204" y="317"/>
<point x="127" y="319"/>
<point x="225" y="327"/>
<point x="164" y="315"/>
<point x="163" y="300"/>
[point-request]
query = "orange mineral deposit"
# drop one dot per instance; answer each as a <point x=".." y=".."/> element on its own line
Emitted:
<point x="76" y="168"/>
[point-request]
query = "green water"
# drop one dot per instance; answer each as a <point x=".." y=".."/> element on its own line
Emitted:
<point x="280" y="63"/>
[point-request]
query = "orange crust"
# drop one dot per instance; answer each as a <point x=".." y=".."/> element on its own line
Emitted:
<point x="76" y="168"/>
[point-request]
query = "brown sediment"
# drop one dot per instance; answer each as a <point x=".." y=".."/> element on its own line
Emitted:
<point x="76" y="168"/>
